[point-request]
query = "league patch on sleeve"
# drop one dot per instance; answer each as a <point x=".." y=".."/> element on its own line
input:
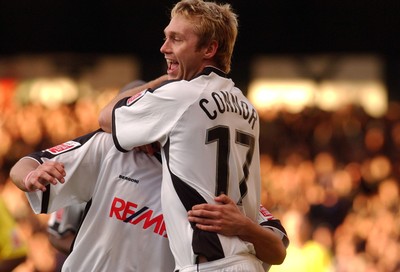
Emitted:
<point x="135" y="97"/>
<point x="58" y="149"/>
<point x="266" y="213"/>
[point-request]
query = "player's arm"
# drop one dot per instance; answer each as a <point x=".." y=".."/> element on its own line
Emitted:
<point x="29" y="175"/>
<point x="105" y="117"/>
<point x="226" y="219"/>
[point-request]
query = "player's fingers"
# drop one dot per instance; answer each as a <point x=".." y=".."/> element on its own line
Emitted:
<point x="45" y="177"/>
<point x="224" y="199"/>
<point x="60" y="168"/>
<point x="58" y="176"/>
<point x="202" y="214"/>
<point x="205" y="208"/>
<point x="33" y="184"/>
<point x="56" y="166"/>
<point x="211" y="228"/>
<point x="39" y="186"/>
<point x="52" y="173"/>
<point x="205" y="221"/>
<point x="52" y="176"/>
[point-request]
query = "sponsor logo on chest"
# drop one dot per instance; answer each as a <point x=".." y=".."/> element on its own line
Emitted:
<point x="131" y="213"/>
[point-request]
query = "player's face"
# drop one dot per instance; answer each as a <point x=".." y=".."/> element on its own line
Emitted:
<point x="184" y="59"/>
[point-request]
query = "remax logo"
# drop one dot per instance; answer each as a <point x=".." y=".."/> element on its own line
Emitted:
<point x="131" y="213"/>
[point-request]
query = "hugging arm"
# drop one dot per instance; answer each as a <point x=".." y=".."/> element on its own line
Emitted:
<point x="105" y="117"/>
<point x="226" y="219"/>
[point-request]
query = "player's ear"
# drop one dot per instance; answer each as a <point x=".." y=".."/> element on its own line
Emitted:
<point x="211" y="50"/>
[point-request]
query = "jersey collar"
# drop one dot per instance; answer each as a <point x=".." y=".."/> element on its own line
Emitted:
<point x="209" y="69"/>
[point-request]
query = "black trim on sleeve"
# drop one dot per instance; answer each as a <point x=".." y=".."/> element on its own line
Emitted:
<point x="39" y="155"/>
<point x="276" y="224"/>
<point x="119" y="104"/>
<point x="87" y="208"/>
<point x="45" y="199"/>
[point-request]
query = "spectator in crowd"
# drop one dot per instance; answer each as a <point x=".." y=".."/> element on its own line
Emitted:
<point x="13" y="248"/>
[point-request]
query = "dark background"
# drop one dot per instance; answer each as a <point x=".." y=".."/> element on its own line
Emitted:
<point x="266" y="27"/>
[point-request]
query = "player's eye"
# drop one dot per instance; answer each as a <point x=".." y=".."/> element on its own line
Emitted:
<point x="177" y="39"/>
<point x="173" y="38"/>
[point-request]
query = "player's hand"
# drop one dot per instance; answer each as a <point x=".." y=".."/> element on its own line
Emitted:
<point x="224" y="218"/>
<point x="149" y="149"/>
<point x="50" y="172"/>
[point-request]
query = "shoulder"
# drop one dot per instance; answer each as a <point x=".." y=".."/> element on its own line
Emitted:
<point x="169" y="85"/>
<point x="96" y="140"/>
<point x="174" y="91"/>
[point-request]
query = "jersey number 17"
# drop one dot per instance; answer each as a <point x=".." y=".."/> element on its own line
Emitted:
<point x="221" y="135"/>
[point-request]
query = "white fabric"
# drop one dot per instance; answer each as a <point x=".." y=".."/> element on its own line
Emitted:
<point x="193" y="120"/>
<point x="120" y="185"/>
<point x="234" y="263"/>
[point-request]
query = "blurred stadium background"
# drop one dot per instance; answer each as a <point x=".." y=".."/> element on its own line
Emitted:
<point x="324" y="75"/>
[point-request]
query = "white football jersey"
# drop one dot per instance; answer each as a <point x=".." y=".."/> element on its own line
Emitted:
<point x="123" y="229"/>
<point x="209" y="134"/>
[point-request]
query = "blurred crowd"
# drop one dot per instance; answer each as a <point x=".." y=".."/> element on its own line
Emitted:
<point x="332" y="178"/>
<point x="26" y="127"/>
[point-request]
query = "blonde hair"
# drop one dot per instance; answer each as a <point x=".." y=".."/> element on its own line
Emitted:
<point x="212" y="22"/>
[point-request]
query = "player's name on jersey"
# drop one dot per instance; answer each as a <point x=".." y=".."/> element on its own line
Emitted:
<point x="224" y="102"/>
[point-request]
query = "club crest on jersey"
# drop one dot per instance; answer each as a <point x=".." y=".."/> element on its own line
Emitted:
<point x="134" y="98"/>
<point x="58" y="149"/>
